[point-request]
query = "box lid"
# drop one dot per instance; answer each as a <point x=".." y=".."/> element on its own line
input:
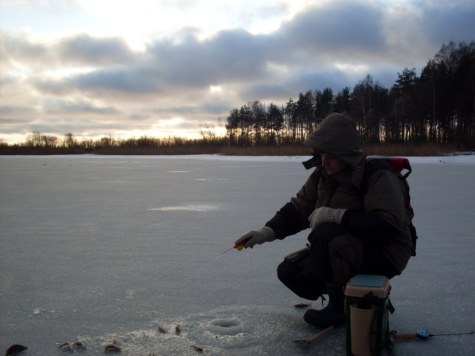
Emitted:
<point x="362" y="284"/>
<point x="368" y="280"/>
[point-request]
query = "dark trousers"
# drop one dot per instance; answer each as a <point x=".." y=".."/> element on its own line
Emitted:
<point x="301" y="277"/>
<point x="310" y="275"/>
<point x="374" y="262"/>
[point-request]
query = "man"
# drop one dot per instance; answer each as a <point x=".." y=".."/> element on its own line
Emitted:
<point x="354" y="229"/>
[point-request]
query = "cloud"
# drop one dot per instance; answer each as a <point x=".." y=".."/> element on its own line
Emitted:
<point x="230" y="55"/>
<point x="55" y="105"/>
<point x="167" y="68"/>
<point x="87" y="50"/>
<point x="190" y="80"/>
<point x="20" y="49"/>
<point x="78" y="50"/>
<point x="339" y="27"/>
<point x="308" y="46"/>
<point x="123" y="80"/>
<point x="446" y="22"/>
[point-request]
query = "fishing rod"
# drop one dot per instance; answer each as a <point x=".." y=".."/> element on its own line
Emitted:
<point x="238" y="247"/>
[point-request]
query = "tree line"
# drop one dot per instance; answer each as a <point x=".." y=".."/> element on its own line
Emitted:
<point x="39" y="143"/>
<point x="435" y="107"/>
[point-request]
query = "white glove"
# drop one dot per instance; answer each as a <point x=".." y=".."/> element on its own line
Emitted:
<point x="324" y="214"/>
<point x="256" y="237"/>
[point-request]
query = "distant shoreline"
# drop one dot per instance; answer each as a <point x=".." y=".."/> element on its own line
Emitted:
<point x="265" y="150"/>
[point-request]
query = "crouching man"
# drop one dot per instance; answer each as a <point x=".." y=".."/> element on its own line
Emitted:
<point x="357" y="226"/>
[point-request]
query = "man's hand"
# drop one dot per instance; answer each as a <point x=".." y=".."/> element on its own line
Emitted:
<point x="256" y="237"/>
<point x="324" y="214"/>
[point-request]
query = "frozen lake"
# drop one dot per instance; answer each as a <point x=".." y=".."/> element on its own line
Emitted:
<point x="99" y="248"/>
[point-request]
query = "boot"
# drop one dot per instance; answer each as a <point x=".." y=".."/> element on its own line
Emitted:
<point x="332" y="314"/>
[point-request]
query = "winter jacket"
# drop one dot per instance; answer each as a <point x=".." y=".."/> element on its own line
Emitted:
<point x="375" y="205"/>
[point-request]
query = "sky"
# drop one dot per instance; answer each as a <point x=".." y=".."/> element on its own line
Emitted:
<point x="162" y="68"/>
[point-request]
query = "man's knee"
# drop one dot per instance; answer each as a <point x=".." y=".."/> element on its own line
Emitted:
<point x="300" y="280"/>
<point x="286" y="271"/>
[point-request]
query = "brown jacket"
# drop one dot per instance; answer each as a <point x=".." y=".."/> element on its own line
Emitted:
<point x="382" y="198"/>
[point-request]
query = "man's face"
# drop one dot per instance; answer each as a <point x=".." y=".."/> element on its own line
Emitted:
<point x="332" y="164"/>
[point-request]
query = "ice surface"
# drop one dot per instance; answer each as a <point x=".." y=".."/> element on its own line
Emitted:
<point x="98" y="248"/>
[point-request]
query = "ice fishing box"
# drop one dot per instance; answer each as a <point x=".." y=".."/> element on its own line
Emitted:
<point x="366" y="307"/>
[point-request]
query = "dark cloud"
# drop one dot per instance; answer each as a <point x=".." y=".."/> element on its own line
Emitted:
<point x="85" y="49"/>
<point x="48" y="86"/>
<point x="13" y="115"/>
<point x="81" y="49"/>
<point x="103" y="82"/>
<point x="10" y="121"/>
<point x="445" y="22"/>
<point x="168" y="67"/>
<point x="215" y="108"/>
<point x="20" y="49"/>
<point x="338" y="27"/>
<point x="76" y="106"/>
<point x="230" y="55"/>
<point x="123" y="79"/>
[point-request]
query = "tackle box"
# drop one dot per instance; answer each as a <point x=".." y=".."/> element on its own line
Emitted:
<point x="366" y="306"/>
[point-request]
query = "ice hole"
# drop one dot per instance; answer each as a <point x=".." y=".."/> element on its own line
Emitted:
<point x="224" y="326"/>
<point x="225" y="323"/>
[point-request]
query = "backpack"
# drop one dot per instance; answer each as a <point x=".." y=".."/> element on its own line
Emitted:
<point x="401" y="167"/>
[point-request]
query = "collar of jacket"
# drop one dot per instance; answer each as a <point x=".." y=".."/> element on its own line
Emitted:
<point x="353" y="176"/>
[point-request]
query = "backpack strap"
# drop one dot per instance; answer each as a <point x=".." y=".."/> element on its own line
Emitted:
<point x="371" y="166"/>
